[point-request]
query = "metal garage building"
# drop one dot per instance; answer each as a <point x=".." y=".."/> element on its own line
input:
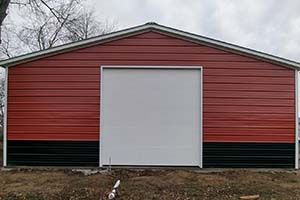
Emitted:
<point x="151" y="96"/>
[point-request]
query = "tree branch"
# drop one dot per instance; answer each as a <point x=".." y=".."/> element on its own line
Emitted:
<point x="52" y="10"/>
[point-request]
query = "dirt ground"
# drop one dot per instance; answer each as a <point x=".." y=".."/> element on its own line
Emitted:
<point x="148" y="184"/>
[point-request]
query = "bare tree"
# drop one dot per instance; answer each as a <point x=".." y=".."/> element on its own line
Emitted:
<point x="47" y="26"/>
<point x="10" y="44"/>
<point x="3" y="10"/>
<point x="48" y="23"/>
<point x="70" y="22"/>
<point x="59" y="10"/>
<point x="33" y="5"/>
<point x="5" y="51"/>
<point x="85" y="25"/>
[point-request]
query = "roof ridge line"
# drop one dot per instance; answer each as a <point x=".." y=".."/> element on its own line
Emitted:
<point x="193" y="37"/>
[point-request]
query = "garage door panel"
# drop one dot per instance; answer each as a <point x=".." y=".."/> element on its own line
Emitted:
<point x="167" y="156"/>
<point x="151" y="117"/>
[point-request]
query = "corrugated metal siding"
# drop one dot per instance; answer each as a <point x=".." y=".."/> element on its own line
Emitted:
<point x="245" y="100"/>
<point x="52" y="103"/>
<point x="266" y="155"/>
<point x="50" y="153"/>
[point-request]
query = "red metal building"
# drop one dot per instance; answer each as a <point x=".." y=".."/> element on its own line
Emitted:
<point x="246" y="117"/>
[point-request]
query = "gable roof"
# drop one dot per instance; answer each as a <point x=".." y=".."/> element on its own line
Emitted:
<point x="155" y="28"/>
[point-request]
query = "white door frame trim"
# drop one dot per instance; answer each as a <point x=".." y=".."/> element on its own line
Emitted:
<point x="151" y="67"/>
<point x="296" y="120"/>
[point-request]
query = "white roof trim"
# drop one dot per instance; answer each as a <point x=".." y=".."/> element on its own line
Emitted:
<point x="144" y="28"/>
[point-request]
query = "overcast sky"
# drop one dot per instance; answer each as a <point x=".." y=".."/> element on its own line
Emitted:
<point x="272" y="26"/>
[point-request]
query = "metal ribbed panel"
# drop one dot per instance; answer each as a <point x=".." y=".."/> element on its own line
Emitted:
<point x="53" y="153"/>
<point x="268" y="155"/>
<point x="244" y="99"/>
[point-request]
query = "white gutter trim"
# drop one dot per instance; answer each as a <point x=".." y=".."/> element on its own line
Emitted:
<point x="5" y="120"/>
<point x="296" y="120"/>
<point x="154" y="27"/>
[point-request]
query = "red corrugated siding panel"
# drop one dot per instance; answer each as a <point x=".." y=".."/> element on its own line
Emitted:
<point x="41" y="78"/>
<point x="53" y="115"/>
<point x="52" y="103"/>
<point x="244" y="100"/>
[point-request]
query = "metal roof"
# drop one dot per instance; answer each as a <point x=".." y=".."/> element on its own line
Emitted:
<point x="151" y="26"/>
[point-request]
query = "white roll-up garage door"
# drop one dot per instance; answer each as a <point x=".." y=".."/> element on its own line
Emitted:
<point x="150" y="116"/>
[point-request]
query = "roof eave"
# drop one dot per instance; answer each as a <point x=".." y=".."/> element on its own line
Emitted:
<point x="152" y="27"/>
<point x="76" y="45"/>
<point x="229" y="47"/>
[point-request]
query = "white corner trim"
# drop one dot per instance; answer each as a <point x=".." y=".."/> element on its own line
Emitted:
<point x="100" y="124"/>
<point x="296" y="120"/>
<point x="5" y="120"/>
<point x="201" y="118"/>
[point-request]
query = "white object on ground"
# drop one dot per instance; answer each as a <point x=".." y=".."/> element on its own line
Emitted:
<point x="113" y="193"/>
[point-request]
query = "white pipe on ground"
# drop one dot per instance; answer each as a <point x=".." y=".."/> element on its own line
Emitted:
<point x="113" y="194"/>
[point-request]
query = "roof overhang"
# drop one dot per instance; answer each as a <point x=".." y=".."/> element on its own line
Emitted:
<point x="156" y="28"/>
